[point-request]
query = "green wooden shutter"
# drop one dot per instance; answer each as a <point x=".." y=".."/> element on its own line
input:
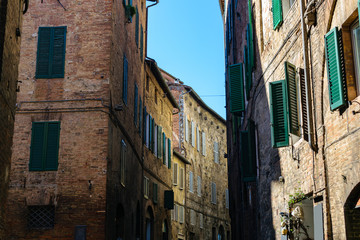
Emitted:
<point x="292" y="90"/>
<point x="37" y="146"/>
<point x="137" y="27"/>
<point x="58" y="52"/>
<point x="164" y="151"/>
<point x="169" y="152"/>
<point x="335" y="69"/>
<point x="52" y="146"/>
<point x="237" y="101"/>
<point x="277" y="13"/>
<point x="244" y="153"/>
<point x="250" y="167"/>
<point x="135" y="104"/>
<point x="43" y="52"/>
<point x="155" y="193"/>
<point x="304" y="105"/>
<point x="125" y="80"/>
<point x="141" y="43"/>
<point x="279" y="114"/>
<point x="159" y="131"/>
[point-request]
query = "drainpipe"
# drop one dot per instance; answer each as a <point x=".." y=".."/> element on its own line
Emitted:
<point x="306" y="73"/>
<point x="146" y="30"/>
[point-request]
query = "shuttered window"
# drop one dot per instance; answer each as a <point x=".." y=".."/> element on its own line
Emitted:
<point x="199" y="186"/>
<point x="44" y="149"/>
<point x="192" y="217"/>
<point x="135" y="104"/>
<point x="216" y="152"/>
<point x="213" y="193"/>
<point x="191" y="182"/>
<point x="141" y="43"/>
<point x="176" y="212"/>
<point x="192" y="134"/>
<point x="159" y="145"/>
<point x="198" y="139"/>
<point x="335" y="69"/>
<point x="186" y="127"/>
<point x="277" y="13"/>
<point x="175" y="174"/>
<point x="201" y="220"/>
<point x="146" y="187"/>
<point x="304" y="105"/>
<point x="155" y="140"/>
<point x="125" y="80"/>
<point x="146" y="125"/>
<point x="181" y="178"/>
<point x="248" y="153"/>
<point x="50" y="61"/>
<point x="292" y="89"/>
<point x="137" y="27"/>
<point x="279" y="114"/>
<point x="155" y="193"/>
<point x="140" y="116"/>
<point x="164" y="148"/>
<point x="236" y="85"/>
<point x="181" y="214"/>
<point x="169" y="152"/>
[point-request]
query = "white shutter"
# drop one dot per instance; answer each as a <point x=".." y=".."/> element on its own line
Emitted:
<point x="186" y="126"/>
<point x="192" y="217"/>
<point x="203" y="143"/>
<point x="175" y="171"/>
<point x="216" y="152"/>
<point x="198" y="139"/>
<point x="199" y="186"/>
<point x="192" y="134"/>
<point x="191" y="179"/>
<point x="181" y="180"/>
<point x="181" y="214"/>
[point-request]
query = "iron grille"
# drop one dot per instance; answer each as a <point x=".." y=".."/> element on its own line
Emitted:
<point x="41" y="217"/>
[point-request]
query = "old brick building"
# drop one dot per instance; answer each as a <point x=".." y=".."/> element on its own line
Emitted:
<point x="79" y="157"/>
<point x="199" y="135"/>
<point x="10" y="37"/>
<point x="292" y="83"/>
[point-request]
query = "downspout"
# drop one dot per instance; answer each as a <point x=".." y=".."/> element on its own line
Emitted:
<point x="306" y="73"/>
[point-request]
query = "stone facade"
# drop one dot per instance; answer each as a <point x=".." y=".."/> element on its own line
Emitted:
<point x="200" y="136"/>
<point x="323" y="163"/>
<point x="11" y="14"/>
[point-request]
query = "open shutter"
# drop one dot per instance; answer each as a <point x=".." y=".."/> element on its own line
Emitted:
<point x="37" y="146"/>
<point x="43" y="53"/>
<point x="292" y="89"/>
<point x="186" y="126"/>
<point x="52" y="146"/>
<point x="203" y="138"/>
<point x="169" y="152"/>
<point x="304" y="105"/>
<point x="164" y="146"/>
<point x="279" y="114"/>
<point x="58" y="52"/>
<point x="159" y="131"/>
<point x="125" y="80"/>
<point x="277" y="13"/>
<point x="237" y="101"/>
<point x="335" y="69"/>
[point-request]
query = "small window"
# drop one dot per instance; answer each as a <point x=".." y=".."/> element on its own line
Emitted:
<point x="50" y="61"/>
<point x="41" y="217"/>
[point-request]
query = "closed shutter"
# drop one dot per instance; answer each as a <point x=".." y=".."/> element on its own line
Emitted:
<point x="155" y="193"/>
<point x="37" y="147"/>
<point x="164" y="146"/>
<point x="292" y="89"/>
<point x="198" y="139"/>
<point x="192" y="134"/>
<point x="159" y="131"/>
<point x="203" y="138"/>
<point x="145" y="126"/>
<point x="43" y="53"/>
<point x="135" y="104"/>
<point x="169" y="152"/>
<point x="216" y="152"/>
<point x="181" y="176"/>
<point x="249" y="173"/>
<point x="137" y="27"/>
<point x="52" y="146"/>
<point x="199" y="186"/>
<point x="279" y="114"/>
<point x="155" y="140"/>
<point x="166" y="151"/>
<point x="304" y="105"/>
<point x="191" y="182"/>
<point x="58" y="52"/>
<point x="151" y="135"/>
<point x="335" y="69"/>
<point x="186" y="129"/>
<point x="213" y="193"/>
<point x="175" y="174"/>
<point x="277" y="13"/>
<point x="125" y="80"/>
<point x="236" y="86"/>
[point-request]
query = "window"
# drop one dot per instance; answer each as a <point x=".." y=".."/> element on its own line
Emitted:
<point x="44" y="148"/>
<point x="146" y="187"/>
<point x="135" y="104"/>
<point x="280" y="8"/>
<point x="125" y="80"/>
<point x="201" y="220"/>
<point x="155" y="193"/>
<point x="213" y="193"/>
<point x="176" y="210"/>
<point x="159" y="145"/>
<point x="122" y="162"/>
<point x="203" y="139"/>
<point x="137" y="27"/>
<point x="166" y="152"/>
<point x="192" y="217"/>
<point x="147" y="131"/>
<point x="155" y="140"/>
<point x="216" y="152"/>
<point x="41" y="217"/>
<point x="175" y="172"/>
<point x="50" y="60"/>
<point x="186" y="129"/>
<point x="199" y="186"/>
<point x="169" y="152"/>
<point x="181" y="214"/>
<point x="181" y="176"/>
<point x="191" y="182"/>
<point x="227" y="198"/>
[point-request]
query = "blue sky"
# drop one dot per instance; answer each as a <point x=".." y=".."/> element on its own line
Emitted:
<point x="186" y="39"/>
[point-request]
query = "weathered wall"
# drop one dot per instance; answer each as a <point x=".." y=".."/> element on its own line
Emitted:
<point x="10" y="19"/>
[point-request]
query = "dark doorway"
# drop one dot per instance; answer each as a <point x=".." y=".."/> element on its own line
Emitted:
<point x="120" y="222"/>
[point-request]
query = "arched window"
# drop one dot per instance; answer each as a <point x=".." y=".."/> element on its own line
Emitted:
<point x="149" y="224"/>
<point x="221" y="234"/>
